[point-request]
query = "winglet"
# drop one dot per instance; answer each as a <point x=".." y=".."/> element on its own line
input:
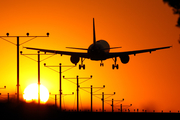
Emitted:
<point x="94" y="35"/>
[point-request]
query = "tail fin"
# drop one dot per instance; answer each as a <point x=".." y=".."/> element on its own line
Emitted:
<point x="94" y="35"/>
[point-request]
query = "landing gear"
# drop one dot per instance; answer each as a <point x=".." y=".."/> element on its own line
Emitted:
<point x="82" y="65"/>
<point x="101" y="64"/>
<point x="115" y="65"/>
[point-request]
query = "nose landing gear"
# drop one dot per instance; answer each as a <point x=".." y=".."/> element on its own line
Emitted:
<point x="115" y="65"/>
<point x="83" y="66"/>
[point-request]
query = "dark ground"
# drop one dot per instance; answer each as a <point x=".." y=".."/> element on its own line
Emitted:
<point x="32" y="111"/>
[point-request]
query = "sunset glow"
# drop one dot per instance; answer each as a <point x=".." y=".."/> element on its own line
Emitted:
<point x="149" y="81"/>
<point x="31" y="93"/>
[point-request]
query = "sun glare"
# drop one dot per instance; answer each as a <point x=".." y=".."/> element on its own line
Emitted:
<point x="31" y="93"/>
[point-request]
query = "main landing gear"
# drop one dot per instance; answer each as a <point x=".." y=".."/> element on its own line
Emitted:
<point x="115" y="65"/>
<point x="82" y="65"/>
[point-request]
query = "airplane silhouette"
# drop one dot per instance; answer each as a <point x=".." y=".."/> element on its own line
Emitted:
<point x="99" y="50"/>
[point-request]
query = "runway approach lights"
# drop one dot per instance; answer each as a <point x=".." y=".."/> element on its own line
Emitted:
<point x="78" y="85"/>
<point x="103" y="98"/>
<point x="18" y="44"/>
<point x="3" y="88"/>
<point x="114" y="103"/>
<point x="38" y="61"/>
<point x="56" y="97"/>
<point x="124" y="106"/>
<point x="92" y="92"/>
<point x="60" y="76"/>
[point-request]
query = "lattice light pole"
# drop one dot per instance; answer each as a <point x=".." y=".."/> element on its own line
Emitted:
<point x="38" y="68"/>
<point x="109" y="95"/>
<point x="91" y="87"/>
<point x="113" y="104"/>
<point x="77" y="83"/>
<point x="17" y="44"/>
<point x="58" y="94"/>
<point x="60" y="74"/>
<point x="124" y="106"/>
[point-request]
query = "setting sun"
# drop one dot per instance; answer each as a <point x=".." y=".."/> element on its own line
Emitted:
<point x="31" y="93"/>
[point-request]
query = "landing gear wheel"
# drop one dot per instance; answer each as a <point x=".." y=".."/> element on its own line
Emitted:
<point x="101" y="64"/>
<point x="83" y="67"/>
<point x="113" y="66"/>
<point x="79" y="67"/>
<point x="117" y="66"/>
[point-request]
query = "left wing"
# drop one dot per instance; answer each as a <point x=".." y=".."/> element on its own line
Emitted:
<point x="79" y="54"/>
<point x="116" y="54"/>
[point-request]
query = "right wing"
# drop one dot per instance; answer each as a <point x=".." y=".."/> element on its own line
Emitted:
<point x="79" y="54"/>
<point x="116" y="54"/>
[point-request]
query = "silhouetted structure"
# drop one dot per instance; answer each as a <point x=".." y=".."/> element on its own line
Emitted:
<point x="98" y="51"/>
<point x="77" y="83"/>
<point x="38" y="61"/>
<point x="60" y="74"/>
<point x="176" y="8"/>
<point x="109" y="95"/>
<point x="17" y="44"/>
<point x="99" y="88"/>
<point x="114" y="104"/>
<point x="126" y="106"/>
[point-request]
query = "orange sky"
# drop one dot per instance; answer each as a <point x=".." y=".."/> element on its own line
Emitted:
<point x="148" y="81"/>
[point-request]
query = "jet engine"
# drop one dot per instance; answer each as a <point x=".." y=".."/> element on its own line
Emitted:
<point x="74" y="59"/>
<point x="124" y="58"/>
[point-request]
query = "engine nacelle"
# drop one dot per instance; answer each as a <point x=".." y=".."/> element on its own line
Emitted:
<point x="74" y="59"/>
<point x="124" y="58"/>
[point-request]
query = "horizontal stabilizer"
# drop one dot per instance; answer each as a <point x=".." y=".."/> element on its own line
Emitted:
<point x="77" y="48"/>
<point x="112" y="48"/>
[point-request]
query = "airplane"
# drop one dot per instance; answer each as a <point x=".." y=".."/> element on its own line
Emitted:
<point x="99" y="50"/>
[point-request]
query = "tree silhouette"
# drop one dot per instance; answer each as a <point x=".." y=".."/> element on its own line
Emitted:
<point x="176" y="8"/>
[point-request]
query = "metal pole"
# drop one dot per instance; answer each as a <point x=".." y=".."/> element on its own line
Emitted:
<point x="8" y="97"/>
<point x="77" y="83"/>
<point x="18" y="54"/>
<point x="102" y="101"/>
<point x="17" y="69"/>
<point x="60" y="93"/>
<point x="121" y="107"/>
<point x="112" y="106"/>
<point x="55" y="101"/>
<point x="91" y="97"/>
<point x="38" y="77"/>
<point x="77" y="94"/>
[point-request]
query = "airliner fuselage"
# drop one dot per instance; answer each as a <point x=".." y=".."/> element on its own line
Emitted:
<point x="98" y="50"/>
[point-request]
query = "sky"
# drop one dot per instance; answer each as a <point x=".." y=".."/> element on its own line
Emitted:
<point x="148" y="81"/>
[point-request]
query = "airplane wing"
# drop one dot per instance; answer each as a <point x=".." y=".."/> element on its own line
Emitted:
<point x="79" y="54"/>
<point x="109" y="55"/>
<point x="116" y="54"/>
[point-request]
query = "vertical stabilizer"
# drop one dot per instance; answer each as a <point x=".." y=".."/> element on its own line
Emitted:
<point x="94" y="35"/>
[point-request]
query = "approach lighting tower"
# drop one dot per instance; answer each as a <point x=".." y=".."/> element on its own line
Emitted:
<point x="17" y="44"/>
